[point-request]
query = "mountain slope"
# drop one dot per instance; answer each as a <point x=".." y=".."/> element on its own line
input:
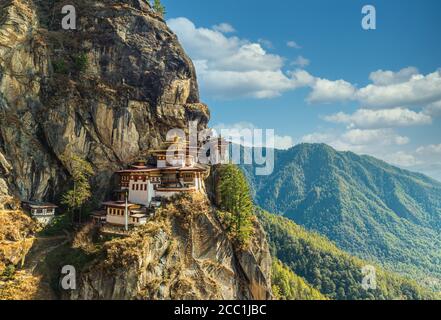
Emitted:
<point x="328" y="269"/>
<point x="367" y="207"/>
<point x="287" y="285"/>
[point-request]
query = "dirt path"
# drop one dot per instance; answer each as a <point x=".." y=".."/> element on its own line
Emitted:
<point x="41" y="248"/>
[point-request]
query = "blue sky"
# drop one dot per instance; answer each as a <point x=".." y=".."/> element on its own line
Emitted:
<point x="308" y="70"/>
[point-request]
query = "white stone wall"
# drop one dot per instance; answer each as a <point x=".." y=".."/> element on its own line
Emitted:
<point x="140" y="196"/>
<point x="118" y="220"/>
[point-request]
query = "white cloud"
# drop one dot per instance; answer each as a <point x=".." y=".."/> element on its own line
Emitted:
<point x="224" y="28"/>
<point x="373" y="136"/>
<point x="326" y="91"/>
<point x="402" y="159"/>
<point x="301" y="62"/>
<point x="266" y="43"/>
<point x="388" y="90"/>
<point x="433" y="149"/>
<point x="418" y="90"/>
<point x="361" y="141"/>
<point x="236" y="131"/>
<point x="293" y="44"/>
<point x="229" y="67"/>
<point x="385" y="78"/>
<point x="367" y="118"/>
<point x="433" y="109"/>
<point x="425" y="159"/>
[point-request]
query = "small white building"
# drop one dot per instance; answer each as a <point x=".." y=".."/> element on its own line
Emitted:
<point x="43" y="213"/>
<point x="116" y="213"/>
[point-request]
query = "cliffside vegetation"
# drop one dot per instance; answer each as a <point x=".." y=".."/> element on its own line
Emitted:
<point x="159" y="8"/>
<point x="75" y="198"/>
<point x="16" y="239"/>
<point x="235" y="203"/>
<point x="181" y="253"/>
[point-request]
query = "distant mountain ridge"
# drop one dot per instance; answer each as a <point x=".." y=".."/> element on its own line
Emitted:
<point x="367" y="207"/>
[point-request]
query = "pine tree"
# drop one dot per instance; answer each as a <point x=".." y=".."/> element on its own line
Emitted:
<point x="81" y="170"/>
<point x="236" y="199"/>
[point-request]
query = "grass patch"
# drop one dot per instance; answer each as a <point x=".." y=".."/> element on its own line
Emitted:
<point x="57" y="226"/>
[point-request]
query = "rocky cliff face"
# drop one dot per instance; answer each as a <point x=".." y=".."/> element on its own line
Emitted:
<point x="108" y="91"/>
<point x="183" y="253"/>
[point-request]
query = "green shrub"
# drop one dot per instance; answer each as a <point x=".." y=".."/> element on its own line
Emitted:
<point x="159" y="8"/>
<point x="81" y="62"/>
<point x="60" y="66"/>
<point x="9" y="272"/>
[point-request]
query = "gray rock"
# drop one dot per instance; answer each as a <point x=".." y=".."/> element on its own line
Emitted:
<point x="138" y="84"/>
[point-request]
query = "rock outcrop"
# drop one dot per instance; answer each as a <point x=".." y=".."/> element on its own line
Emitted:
<point x="183" y="253"/>
<point x="108" y="91"/>
<point x="16" y="237"/>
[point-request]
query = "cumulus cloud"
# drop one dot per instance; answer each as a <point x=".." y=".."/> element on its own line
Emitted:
<point x="389" y="89"/>
<point x="433" y="109"/>
<point x="325" y="91"/>
<point x="373" y="136"/>
<point x="425" y="159"/>
<point x="402" y="159"/>
<point x="230" y="67"/>
<point x="385" y="78"/>
<point x="293" y="44"/>
<point x="370" y="141"/>
<point x="301" y="62"/>
<point x="236" y="131"/>
<point x="224" y="28"/>
<point x="418" y="90"/>
<point x="368" y="118"/>
<point x="266" y="43"/>
<point x="433" y="149"/>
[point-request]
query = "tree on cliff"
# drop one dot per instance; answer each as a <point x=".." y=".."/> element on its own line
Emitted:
<point x="159" y="8"/>
<point x="235" y="199"/>
<point x="81" y="170"/>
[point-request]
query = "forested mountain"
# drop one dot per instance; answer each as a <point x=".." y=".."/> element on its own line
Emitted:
<point x="314" y="268"/>
<point x="287" y="285"/>
<point x="367" y="207"/>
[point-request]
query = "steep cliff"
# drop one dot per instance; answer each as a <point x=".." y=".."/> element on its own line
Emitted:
<point x="107" y="91"/>
<point x="183" y="253"/>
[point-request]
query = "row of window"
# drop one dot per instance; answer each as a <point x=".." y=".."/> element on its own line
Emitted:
<point x="116" y="212"/>
<point x="139" y="187"/>
<point x="143" y="179"/>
